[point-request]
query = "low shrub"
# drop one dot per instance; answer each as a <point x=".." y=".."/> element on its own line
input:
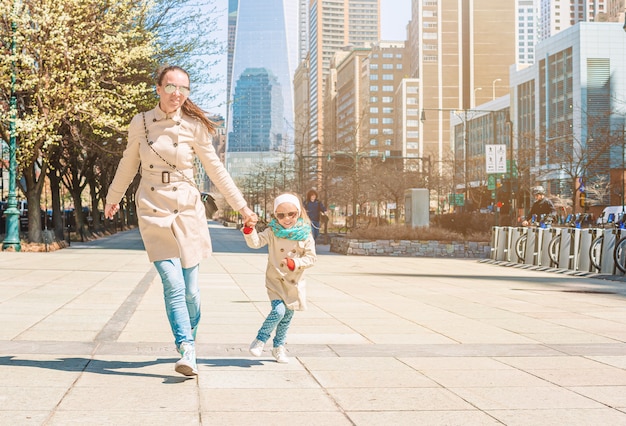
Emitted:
<point x="430" y="233"/>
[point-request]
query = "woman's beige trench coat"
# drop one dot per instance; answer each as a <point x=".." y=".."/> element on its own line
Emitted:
<point x="171" y="215"/>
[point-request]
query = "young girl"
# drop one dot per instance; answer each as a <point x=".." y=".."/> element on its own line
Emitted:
<point x="291" y="249"/>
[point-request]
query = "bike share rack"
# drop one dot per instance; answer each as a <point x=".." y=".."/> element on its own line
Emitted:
<point x="514" y="235"/>
<point x="569" y="249"/>
<point x="585" y="250"/>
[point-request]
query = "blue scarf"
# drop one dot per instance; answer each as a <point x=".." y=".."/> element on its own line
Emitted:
<point x="298" y="232"/>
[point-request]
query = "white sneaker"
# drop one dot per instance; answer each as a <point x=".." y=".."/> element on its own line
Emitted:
<point x="256" y="347"/>
<point x="280" y="354"/>
<point x="186" y="365"/>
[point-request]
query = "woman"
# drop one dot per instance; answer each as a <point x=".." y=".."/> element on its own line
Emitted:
<point x="315" y="210"/>
<point x="171" y="215"/>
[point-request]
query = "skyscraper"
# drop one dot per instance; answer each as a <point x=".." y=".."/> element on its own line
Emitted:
<point x="558" y="15"/>
<point x="461" y="52"/>
<point x="334" y="24"/>
<point x="266" y="38"/>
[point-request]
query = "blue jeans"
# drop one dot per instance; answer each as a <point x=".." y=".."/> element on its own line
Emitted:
<point x="182" y="298"/>
<point x="279" y="318"/>
<point x="315" y="228"/>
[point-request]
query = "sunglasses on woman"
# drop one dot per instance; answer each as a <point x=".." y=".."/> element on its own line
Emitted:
<point x="171" y="88"/>
<point x="290" y="214"/>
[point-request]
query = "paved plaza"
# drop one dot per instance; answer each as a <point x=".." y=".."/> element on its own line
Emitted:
<point x="386" y="341"/>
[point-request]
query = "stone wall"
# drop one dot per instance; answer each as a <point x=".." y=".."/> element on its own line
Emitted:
<point x="410" y="248"/>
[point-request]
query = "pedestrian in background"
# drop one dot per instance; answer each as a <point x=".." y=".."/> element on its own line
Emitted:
<point x="315" y="210"/>
<point x="172" y="221"/>
<point x="291" y="250"/>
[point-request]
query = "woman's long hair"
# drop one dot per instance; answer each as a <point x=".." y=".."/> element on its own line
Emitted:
<point x="188" y="106"/>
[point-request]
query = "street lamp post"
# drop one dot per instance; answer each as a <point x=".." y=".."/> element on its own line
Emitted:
<point x="493" y="88"/>
<point x="12" y="235"/>
<point x="474" y="92"/>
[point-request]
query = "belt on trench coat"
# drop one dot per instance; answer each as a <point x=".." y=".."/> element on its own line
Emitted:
<point x="166" y="177"/>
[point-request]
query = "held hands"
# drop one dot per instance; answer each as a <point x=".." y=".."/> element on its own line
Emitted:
<point x="250" y="218"/>
<point x="110" y="210"/>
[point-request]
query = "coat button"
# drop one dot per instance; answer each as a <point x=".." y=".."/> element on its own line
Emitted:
<point x="174" y="189"/>
<point x="282" y="265"/>
<point x="152" y="189"/>
<point x="176" y="211"/>
<point x="282" y="250"/>
<point x="153" y="210"/>
<point x="151" y="166"/>
<point x="175" y="144"/>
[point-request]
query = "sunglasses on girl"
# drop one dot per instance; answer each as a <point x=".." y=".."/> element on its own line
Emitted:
<point x="290" y="214"/>
<point x="171" y="88"/>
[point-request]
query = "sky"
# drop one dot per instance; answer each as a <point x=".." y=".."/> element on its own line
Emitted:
<point x="394" y="17"/>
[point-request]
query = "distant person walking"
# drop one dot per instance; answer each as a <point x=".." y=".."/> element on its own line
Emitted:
<point x="172" y="221"/>
<point x="315" y="210"/>
<point x="291" y="250"/>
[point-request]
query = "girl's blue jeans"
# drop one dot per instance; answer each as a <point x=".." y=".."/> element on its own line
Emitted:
<point x="182" y="298"/>
<point x="279" y="318"/>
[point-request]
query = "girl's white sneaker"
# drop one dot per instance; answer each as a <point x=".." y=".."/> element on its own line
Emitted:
<point x="280" y="354"/>
<point x="256" y="347"/>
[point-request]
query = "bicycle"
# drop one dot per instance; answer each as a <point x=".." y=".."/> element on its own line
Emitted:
<point x="619" y="252"/>
<point x="573" y="221"/>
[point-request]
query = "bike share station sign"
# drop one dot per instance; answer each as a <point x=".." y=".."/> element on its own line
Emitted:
<point x="495" y="163"/>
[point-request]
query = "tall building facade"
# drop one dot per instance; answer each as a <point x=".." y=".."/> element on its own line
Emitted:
<point x="568" y="109"/>
<point x="461" y="54"/>
<point x="558" y="15"/>
<point x="527" y="30"/>
<point x="266" y="38"/>
<point x="334" y="24"/>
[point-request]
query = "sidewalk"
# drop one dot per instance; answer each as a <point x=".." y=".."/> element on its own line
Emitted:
<point x="386" y="341"/>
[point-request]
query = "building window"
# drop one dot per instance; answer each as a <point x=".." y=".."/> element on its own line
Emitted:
<point x="373" y="88"/>
<point x="387" y="120"/>
<point x="387" y="88"/>
<point x="412" y="123"/>
<point x="387" y="110"/>
<point x="387" y="131"/>
<point x="387" y="66"/>
<point x="373" y="76"/>
<point x="374" y="110"/>
<point x="388" y="77"/>
<point x="373" y="99"/>
<point x="373" y="66"/>
<point x="373" y="120"/>
<point x="411" y="111"/>
<point x="373" y="131"/>
<point x="387" y="99"/>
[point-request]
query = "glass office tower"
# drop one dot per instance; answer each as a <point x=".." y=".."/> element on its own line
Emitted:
<point x="266" y="38"/>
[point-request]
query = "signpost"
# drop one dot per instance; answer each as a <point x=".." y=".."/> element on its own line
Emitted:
<point x="495" y="158"/>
